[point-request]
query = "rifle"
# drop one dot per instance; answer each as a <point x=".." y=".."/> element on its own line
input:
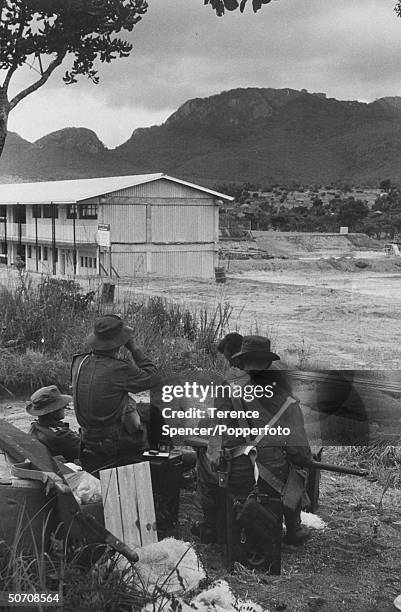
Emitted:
<point x="339" y="469"/>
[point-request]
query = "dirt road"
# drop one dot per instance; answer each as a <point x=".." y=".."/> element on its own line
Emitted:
<point x="317" y="319"/>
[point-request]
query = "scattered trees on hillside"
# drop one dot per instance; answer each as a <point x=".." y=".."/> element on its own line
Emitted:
<point x="383" y="220"/>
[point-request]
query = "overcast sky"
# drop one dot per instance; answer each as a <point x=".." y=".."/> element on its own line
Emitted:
<point x="350" y="49"/>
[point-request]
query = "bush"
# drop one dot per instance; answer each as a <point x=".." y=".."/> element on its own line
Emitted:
<point x="43" y="326"/>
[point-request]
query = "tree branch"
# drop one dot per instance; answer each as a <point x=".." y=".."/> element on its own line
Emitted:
<point x="49" y="70"/>
<point x="14" y="65"/>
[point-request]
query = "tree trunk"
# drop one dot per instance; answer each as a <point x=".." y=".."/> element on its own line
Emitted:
<point x="4" y="111"/>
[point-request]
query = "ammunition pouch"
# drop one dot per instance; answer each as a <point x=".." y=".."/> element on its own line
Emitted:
<point x="259" y="524"/>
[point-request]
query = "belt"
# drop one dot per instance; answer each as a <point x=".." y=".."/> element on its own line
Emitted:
<point x="100" y="432"/>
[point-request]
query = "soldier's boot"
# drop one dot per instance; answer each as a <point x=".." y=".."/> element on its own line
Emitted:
<point x="205" y="530"/>
<point x="296" y="534"/>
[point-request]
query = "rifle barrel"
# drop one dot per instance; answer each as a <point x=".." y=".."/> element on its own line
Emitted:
<point x="337" y="468"/>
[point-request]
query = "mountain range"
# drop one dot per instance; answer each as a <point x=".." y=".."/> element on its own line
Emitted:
<point x="260" y="135"/>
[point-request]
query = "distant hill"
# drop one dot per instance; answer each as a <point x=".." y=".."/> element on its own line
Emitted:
<point x="258" y="135"/>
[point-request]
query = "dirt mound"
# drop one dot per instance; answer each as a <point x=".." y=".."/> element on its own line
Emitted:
<point x="293" y="244"/>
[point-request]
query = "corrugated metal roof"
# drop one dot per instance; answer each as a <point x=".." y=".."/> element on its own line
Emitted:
<point x="72" y="191"/>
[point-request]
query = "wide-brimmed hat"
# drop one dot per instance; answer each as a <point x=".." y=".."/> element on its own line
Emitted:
<point x="109" y="332"/>
<point x="256" y="347"/>
<point x="46" y="400"/>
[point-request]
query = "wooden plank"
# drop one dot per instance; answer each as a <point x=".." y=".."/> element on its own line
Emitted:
<point x="111" y="502"/>
<point x="146" y="508"/>
<point x="129" y="508"/>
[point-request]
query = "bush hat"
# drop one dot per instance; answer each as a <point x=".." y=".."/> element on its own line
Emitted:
<point x="46" y="400"/>
<point x="256" y="347"/>
<point x="109" y="332"/>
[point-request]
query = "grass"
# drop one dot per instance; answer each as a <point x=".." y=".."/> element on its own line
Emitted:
<point x="43" y="325"/>
<point x="382" y="460"/>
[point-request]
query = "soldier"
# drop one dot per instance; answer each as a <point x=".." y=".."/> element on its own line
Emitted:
<point x="274" y="462"/>
<point x="206" y="478"/>
<point x="48" y="404"/>
<point x="110" y="425"/>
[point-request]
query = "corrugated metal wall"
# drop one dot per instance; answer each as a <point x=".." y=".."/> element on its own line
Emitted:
<point x="182" y="223"/>
<point x="129" y="264"/>
<point x="161" y="189"/>
<point x="161" y="213"/>
<point x="128" y="222"/>
<point x="193" y="263"/>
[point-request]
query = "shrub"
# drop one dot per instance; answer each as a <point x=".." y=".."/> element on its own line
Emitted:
<point x="43" y="326"/>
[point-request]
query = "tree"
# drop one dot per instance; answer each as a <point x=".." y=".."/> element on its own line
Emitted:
<point x="385" y="185"/>
<point x="56" y="30"/>
<point x="352" y="211"/>
<point x="221" y="6"/>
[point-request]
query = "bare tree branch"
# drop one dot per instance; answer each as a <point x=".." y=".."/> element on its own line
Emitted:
<point x="49" y="70"/>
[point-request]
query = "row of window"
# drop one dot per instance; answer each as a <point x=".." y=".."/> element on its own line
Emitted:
<point x="82" y="211"/>
<point x="88" y="262"/>
<point x="50" y="211"/>
<point x="43" y="253"/>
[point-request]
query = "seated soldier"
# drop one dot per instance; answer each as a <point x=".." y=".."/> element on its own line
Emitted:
<point x="48" y="404"/>
<point x="111" y="429"/>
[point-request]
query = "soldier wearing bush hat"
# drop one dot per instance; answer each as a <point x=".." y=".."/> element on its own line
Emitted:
<point x="48" y="405"/>
<point x="110" y="425"/>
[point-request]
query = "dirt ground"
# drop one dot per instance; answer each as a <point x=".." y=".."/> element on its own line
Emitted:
<point x="351" y="566"/>
<point x="317" y="314"/>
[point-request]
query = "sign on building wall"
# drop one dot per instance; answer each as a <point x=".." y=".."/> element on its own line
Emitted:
<point x="344" y="230"/>
<point x="103" y="235"/>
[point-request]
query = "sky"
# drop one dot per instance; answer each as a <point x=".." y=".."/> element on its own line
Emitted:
<point x="349" y="49"/>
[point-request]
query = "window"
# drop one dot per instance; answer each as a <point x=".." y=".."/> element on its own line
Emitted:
<point x="45" y="254"/>
<point x="19" y="214"/>
<point x="36" y="211"/>
<point x="29" y="251"/>
<point x="72" y="211"/>
<point x="55" y="255"/>
<point x="48" y="211"/>
<point x="88" y="262"/>
<point x="3" y="212"/>
<point x="87" y="211"/>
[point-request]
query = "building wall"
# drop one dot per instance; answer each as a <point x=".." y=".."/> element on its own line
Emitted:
<point x="161" y="227"/>
<point x="150" y="218"/>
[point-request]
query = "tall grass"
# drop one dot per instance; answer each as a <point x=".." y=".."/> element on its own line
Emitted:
<point x="43" y="325"/>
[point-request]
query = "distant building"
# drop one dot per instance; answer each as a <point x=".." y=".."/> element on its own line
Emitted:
<point x="123" y="226"/>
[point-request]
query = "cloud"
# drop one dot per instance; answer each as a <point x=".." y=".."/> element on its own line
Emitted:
<point x="351" y="50"/>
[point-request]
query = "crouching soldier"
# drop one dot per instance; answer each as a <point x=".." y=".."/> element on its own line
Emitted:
<point x="48" y="405"/>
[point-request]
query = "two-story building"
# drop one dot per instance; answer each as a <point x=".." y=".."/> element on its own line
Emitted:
<point x="122" y="226"/>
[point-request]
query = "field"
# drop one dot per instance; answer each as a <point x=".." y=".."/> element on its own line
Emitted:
<point x="321" y="312"/>
<point x="315" y="312"/>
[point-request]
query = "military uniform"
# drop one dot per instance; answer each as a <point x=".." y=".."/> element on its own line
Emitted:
<point x="58" y="438"/>
<point x="275" y="462"/>
<point x="101" y="384"/>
